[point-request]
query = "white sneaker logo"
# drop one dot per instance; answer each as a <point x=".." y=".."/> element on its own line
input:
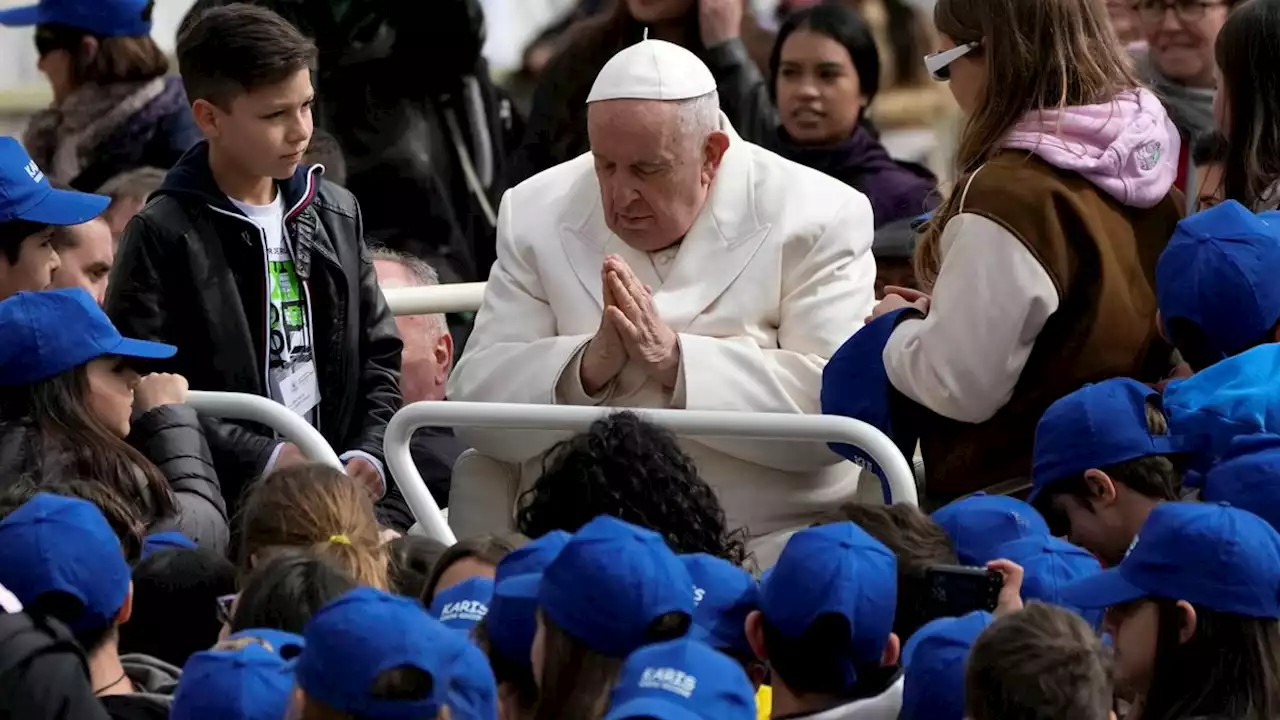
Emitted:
<point x="33" y="171"/>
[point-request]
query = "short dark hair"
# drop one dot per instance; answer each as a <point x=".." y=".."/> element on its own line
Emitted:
<point x="815" y="662"/>
<point x="411" y="559"/>
<point x="234" y="49"/>
<point x="287" y="588"/>
<point x="488" y="549"/>
<point x="1039" y="662"/>
<point x="175" y="603"/>
<point x="844" y="25"/>
<point x="12" y="234"/>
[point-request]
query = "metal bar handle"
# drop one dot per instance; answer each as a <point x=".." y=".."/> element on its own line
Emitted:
<point x="290" y="425"/>
<point x="447" y="298"/>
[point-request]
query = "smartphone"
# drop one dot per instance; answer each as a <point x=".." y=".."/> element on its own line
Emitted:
<point x="945" y="591"/>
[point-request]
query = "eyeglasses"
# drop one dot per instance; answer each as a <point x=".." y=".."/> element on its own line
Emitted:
<point x="939" y="64"/>
<point x="225" y="603"/>
<point x="1152" y="12"/>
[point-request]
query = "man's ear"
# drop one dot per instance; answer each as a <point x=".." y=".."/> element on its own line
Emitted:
<point x="717" y="145"/>
<point x="444" y="354"/>
<point x="754" y="626"/>
<point x="892" y="651"/>
<point x="126" y="610"/>
<point x="207" y="117"/>
<point x="1102" y="490"/>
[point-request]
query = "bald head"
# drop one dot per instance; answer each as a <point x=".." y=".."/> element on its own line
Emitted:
<point x="655" y="161"/>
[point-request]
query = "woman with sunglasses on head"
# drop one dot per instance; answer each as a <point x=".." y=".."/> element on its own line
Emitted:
<point x="114" y="110"/>
<point x="1041" y="261"/>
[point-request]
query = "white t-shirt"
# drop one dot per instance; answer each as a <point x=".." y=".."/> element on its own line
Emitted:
<point x="293" y="381"/>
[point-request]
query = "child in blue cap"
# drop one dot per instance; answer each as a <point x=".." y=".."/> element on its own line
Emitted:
<point x="724" y="595"/>
<point x="507" y="631"/>
<point x="825" y="626"/>
<point x="30" y="208"/>
<point x="1192" y="611"/>
<point x="933" y="665"/>
<point x="371" y="655"/>
<point x="1102" y="462"/>
<point x="612" y="589"/>
<point x="61" y="559"/>
<point x="981" y="523"/>
<point x="462" y="606"/>
<point x="681" y="680"/>
<point x="1050" y="564"/>
<point x="1215" y="283"/>
<point x="250" y="676"/>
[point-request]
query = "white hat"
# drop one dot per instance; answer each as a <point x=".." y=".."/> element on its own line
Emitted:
<point x="652" y="70"/>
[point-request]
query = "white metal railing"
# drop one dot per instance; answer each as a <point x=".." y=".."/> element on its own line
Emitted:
<point x="447" y="298"/>
<point x="897" y="471"/>
<point x="264" y="411"/>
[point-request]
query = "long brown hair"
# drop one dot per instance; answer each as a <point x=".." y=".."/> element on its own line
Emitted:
<point x="316" y="506"/>
<point x="1248" y="42"/>
<point x="69" y="442"/>
<point x="1039" y="55"/>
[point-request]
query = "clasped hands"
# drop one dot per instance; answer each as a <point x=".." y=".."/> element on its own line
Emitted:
<point x="630" y="329"/>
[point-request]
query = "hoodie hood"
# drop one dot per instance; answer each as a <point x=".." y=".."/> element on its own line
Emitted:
<point x="1235" y="398"/>
<point x="154" y="682"/>
<point x="1128" y="147"/>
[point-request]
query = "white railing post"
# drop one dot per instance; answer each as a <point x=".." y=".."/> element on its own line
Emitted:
<point x="447" y="298"/>
<point x="264" y="411"/>
<point x="689" y="423"/>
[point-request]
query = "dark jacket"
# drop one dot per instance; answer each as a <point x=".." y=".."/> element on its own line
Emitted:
<point x="170" y="437"/>
<point x="154" y="683"/>
<point x="43" y="672"/>
<point x="434" y="452"/>
<point x="191" y="272"/>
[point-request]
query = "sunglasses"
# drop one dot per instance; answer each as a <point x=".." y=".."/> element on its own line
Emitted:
<point x="939" y="64"/>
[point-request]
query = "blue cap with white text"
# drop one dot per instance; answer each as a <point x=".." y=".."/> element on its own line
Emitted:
<point x="512" y="618"/>
<point x="836" y="569"/>
<point x="1218" y="272"/>
<point x="247" y="679"/>
<point x="25" y="193"/>
<point x="1212" y="556"/>
<point x="43" y="334"/>
<point x="1094" y="427"/>
<point x="464" y="605"/>
<point x="681" y="680"/>
<point x="725" y="594"/>
<point x="105" y="18"/>
<point x="609" y="584"/>
<point x="933" y="660"/>
<point x="54" y="544"/>
<point x="359" y="636"/>
<point x="980" y="523"/>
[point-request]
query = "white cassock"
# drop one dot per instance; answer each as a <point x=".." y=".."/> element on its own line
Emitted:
<point x="773" y="276"/>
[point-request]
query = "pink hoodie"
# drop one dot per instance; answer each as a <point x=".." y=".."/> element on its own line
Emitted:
<point x="1128" y="147"/>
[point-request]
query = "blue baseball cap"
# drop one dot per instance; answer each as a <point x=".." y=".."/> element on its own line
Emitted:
<point x="155" y="542"/>
<point x="464" y="605"/>
<point x="1218" y="271"/>
<point x="681" y="680"/>
<point x="1096" y="426"/>
<point x="1214" y="556"/>
<point x="250" y="680"/>
<point x="43" y="334"/>
<point x="723" y="594"/>
<point x="105" y="18"/>
<point x="608" y="585"/>
<point x="835" y="569"/>
<point x="933" y="684"/>
<point x="1050" y="564"/>
<point x="512" y="619"/>
<point x="25" y="193"/>
<point x="285" y="644"/>
<point x="357" y="637"/>
<point x="64" y="545"/>
<point x="978" y="524"/>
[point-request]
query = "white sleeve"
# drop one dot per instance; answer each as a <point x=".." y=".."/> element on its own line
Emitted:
<point x="990" y="302"/>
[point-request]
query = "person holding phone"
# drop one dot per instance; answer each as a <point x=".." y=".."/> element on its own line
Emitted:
<point x="1038" y="269"/>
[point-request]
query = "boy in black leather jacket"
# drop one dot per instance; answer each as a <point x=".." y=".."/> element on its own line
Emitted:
<point x="254" y="266"/>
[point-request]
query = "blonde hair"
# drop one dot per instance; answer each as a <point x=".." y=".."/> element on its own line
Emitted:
<point x="318" y="507"/>
<point x="1039" y="54"/>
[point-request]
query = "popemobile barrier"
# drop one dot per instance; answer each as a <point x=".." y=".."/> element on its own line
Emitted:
<point x="900" y="486"/>
<point x="448" y="298"/>
<point x="264" y="411"/>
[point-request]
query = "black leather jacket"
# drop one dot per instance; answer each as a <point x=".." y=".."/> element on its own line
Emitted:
<point x="190" y="271"/>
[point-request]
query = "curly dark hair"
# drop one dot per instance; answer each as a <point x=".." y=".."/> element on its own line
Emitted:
<point x="634" y="471"/>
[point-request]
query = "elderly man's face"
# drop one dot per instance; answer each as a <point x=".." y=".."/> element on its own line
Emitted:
<point x="428" y="347"/>
<point x="87" y="256"/>
<point x="654" y="177"/>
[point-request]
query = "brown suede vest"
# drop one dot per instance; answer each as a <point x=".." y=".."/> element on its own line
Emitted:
<point x="1102" y="256"/>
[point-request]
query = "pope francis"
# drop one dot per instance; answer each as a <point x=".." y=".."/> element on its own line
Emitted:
<point x="676" y="266"/>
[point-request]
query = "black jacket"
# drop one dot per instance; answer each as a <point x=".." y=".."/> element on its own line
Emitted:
<point x="170" y="437"/>
<point x="43" y="672"/>
<point x="191" y="272"/>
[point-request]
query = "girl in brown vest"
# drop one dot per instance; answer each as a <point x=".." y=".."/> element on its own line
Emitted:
<point x="1040" y="263"/>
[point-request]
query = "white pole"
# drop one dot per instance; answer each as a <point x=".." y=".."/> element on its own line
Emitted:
<point x="264" y="411"/>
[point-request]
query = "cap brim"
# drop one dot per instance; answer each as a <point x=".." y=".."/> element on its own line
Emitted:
<point x="21" y="16"/>
<point x="144" y="349"/>
<point x="520" y="587"/>
<point x="65" y="207"/>
<point x="1102" y="590"/>
<point x="648" y="707"/>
